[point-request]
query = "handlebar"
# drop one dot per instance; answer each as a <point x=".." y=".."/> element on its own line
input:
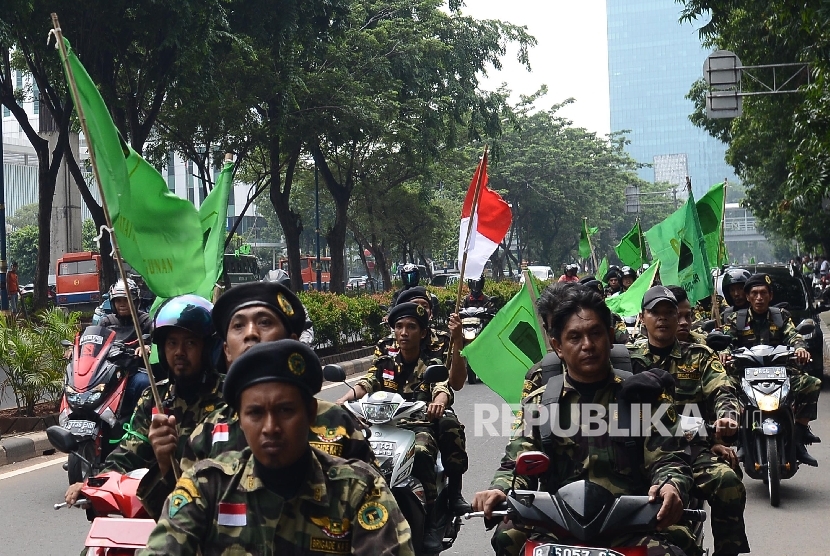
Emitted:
<point x="83" y="503"/>
<point x="694" y="515"/>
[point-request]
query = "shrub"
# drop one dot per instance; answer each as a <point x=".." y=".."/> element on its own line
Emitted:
<point x="340" y="319"/>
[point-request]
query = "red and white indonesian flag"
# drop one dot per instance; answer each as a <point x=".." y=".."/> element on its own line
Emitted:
<point x="220" y="433"/>
<point x="489" y="223"/>
<point x="232" y="515"/>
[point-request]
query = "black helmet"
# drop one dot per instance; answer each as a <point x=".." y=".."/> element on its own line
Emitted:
<point x="733" y="276"/>
<point x="279" y="276"/>
<point x="120" y="290"/>
<point x="572" y="267"/>
<point x="476" y="286"/>
<point x="410" y="275"/>
<point x="628" y="271"/>
<point x="187" y="312"/>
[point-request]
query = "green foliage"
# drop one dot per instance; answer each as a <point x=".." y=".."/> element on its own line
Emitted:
<point x="32" y="355"/>
<point x="23" y="249"/>
<point x="88" y="234"/>
<point x="23" y="216"/>
<point x="340" y="319"/>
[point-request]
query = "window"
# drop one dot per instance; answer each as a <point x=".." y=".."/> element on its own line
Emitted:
<point x="35" y="98"/>
<point x="188" y="180"/>
<point x="171" y="171"/>
<point x="79" y="267"/>
<point x="19" y="81"/>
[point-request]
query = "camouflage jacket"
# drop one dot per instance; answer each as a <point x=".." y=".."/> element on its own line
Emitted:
<point x="220" y="506"/>
<point x="135" y="451"/>
<point x="386" y="375"/>
<point x="334" y="431"/>
<point x="437" y="342"/>
<point x="699" y="377"/>
<point x="598" y="459"/>
<point x="701" y="314"/>
<point x="762" y="330"/>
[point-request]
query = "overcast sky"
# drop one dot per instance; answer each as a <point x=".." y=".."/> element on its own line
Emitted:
<point x="571" y="56"/>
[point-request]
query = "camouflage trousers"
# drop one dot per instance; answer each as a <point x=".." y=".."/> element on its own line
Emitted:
<point x="508" y="541"/>
<point x="806" y="389"/>
<point x="426" y="452"/>
<point x="452" y="443"/>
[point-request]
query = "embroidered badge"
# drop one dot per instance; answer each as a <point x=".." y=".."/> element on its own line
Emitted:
<point x="332" y="528"/>
<point x="178" y="500"/>
<point x="296" y="364"/>
<point x="421" y="311"/>
<point x="372" y="516"/>
<point x="329" y="434"/>
<point x="767" y="279"/>
<point x="232" y="515"/>
<point x="285" y="305"/>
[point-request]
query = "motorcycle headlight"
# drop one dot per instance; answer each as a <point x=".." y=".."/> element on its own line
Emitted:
<point x="379" y="412"/>
<point x="768" y="402"/>
<point x="72" y="397"/>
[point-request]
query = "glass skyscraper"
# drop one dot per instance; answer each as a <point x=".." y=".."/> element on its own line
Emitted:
<point x="652" y="62"/>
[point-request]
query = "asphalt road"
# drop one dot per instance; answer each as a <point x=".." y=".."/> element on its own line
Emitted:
<point x="797" y="527"/>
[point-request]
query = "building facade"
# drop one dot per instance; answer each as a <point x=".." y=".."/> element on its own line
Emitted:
<point x="652" y="62"/>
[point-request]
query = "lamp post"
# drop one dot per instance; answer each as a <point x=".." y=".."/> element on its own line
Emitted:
<point x="319" y="264"/>
<point x="4" y="296"/>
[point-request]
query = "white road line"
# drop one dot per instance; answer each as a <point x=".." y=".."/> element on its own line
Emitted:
<point x="31" y="468"/>
<point x="333" y="384"/>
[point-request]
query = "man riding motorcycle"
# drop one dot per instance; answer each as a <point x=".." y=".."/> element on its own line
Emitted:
<point x="570" y="273"/>
<point x="760" y="324"/>
<point x="628" y="277"/>
<point x="733" y="290"/>
<point x="410" y="278"/>
<point x="477" y="297"/>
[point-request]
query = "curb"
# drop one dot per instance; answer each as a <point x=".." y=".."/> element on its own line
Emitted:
<point x="18" y="448"/>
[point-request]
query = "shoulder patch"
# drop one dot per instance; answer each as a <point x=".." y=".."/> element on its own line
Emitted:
<point x="372" y="515"/>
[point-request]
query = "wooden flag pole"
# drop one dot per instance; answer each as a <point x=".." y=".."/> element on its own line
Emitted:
<point x="531" y="290"/>
<point x="481" y="166"/>
<point x="590" y="245"/>
<point x="715" y="307"/>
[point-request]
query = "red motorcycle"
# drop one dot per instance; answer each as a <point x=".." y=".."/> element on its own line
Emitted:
<point x="106" y="495"/>
<point x="91" y="407"/>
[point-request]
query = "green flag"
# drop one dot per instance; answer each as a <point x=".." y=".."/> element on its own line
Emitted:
<point x="710" y="214"/>
<point x="752" y="260"/>
<point x="628" y="303"/>
<point x="632" y="249"/>
<point x="158" y="233"/>
<point x="508" y="347"/>
<point x="602" y="270"/>
<point x="584" y="239"/>
<point x="213" y="214"/>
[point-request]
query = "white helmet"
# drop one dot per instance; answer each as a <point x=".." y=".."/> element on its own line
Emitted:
<point x="119" y="290"/>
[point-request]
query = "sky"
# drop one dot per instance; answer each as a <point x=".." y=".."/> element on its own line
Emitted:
<point x="571" y="56"/>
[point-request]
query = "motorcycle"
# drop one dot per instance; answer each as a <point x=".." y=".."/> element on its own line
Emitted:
<point x="91" y="407"/>
<point x="578" y="515"/>
<point x="394" y="448"/>
<point x="473" y="321"/>
<point x="767" y="432"/>
<point x="106" y="495"/>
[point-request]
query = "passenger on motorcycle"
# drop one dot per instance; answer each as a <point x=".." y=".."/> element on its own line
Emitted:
<point x="185" y="339"/>
<point x="410" y="278"/>
<point x="477" y="298"/>
<point x="614" y="280"/>
<point x="279" y="495"/>
<point x="578" y="324"/>
<point x="761" y="324"/>
<point x="702" y="386"/>
<point x="685" y="318"/>
<point x="570" y="273"/>
<point x="403" y="374"/>
<point x="628" y="277"/>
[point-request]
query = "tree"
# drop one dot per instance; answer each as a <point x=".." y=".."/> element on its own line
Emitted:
<point x="88" y="234"/>
<point x="24" y="216"/>
<point x="23" y="246"/>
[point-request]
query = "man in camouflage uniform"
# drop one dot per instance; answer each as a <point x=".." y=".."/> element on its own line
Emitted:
<point x="245" y="316"/>
<point x="184" y="335"/>
<point x="702" y="387"/>
<point x="579" y="325"/>
<point x="279" y="495"/>
<point x="761" y="324"/>
<point x="685" y="319"/>
<point x="403" y="374"/>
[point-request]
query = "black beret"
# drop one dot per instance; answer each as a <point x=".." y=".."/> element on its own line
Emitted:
<point x="613" y="273"/>
<point x="418" y="292"/>
<point x="758" y="280"/>
<point x="646" y="386"/>
<point x="655" y="295"/>
<point x="402" y="310"/>
<point x="594" y="285"/>
<point x="286" y="361"/>
<point x="260" y="294"/>
<point x="585" y="279"/>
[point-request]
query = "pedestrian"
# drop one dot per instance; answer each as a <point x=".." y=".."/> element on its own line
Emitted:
<point x="13" y="287"/>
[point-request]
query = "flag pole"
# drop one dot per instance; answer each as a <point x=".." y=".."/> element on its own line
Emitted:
<point x="73" y="88"/>
<point x="590" y="245"/>
<point x="650" y="284"/>
<point x="531" y="290"/>
<point x="715" y="306"/>
<point x="482" y="165"/>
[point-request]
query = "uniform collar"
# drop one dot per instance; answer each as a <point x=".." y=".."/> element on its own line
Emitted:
<point x="313" y="490"/>
<point x="675" y="350"/>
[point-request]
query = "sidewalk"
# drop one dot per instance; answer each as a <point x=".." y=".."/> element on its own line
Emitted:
<point x="26" y="446"/>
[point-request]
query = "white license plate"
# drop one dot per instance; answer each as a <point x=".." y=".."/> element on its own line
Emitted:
<point x="383" y="449"/>
<point x="81" y="428"/>
<point x="765" y="373"/>
<point x="562" y="550"/>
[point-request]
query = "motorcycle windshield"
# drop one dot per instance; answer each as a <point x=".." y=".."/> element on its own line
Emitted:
<point x="90" y="351"/>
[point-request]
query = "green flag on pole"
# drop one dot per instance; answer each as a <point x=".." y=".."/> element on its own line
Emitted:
<point x="628" y="303"/>
<point x="508" y="347"/>
<point x="752" y="260"/>
<point x="602" y="270"/>
<point x="213" y="214"/>
<point x="710" y="214"/>
<point x="584" y="239"/>
<point x="632" y="248"/>
<point x="158" y="233"/>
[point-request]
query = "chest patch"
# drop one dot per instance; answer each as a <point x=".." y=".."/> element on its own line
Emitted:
<point x="232" y="515"/>
<point x="332" y="528"/>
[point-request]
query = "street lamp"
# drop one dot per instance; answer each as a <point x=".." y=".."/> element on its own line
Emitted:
<point x="4" y="296"/>
<point x="319" y="265"/>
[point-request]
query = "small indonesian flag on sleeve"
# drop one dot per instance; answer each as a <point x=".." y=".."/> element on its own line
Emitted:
<point x="232" y="515"/>
<point x="388" y="374"/>
<point x="220" y="432"/>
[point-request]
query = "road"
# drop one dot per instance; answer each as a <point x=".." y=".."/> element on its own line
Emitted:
<point x="797" y="527"/>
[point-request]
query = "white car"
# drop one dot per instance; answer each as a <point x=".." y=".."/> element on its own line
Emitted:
<point x="543" y="273"/>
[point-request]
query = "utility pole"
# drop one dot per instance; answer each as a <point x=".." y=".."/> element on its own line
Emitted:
<point x="4" y="296"/>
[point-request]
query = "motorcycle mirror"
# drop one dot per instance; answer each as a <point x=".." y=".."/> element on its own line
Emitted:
<point x="334" y="373"/>
<point x="61" y="439"/>
<point x="532" y="464"/>
<point x="806" y="327"/>
<point x="66" y="343"/>
<point x="708" y="325"/>
<point x="146" y="337"/>
<point x="436" y="373"/>
<point x="718" y="341"/>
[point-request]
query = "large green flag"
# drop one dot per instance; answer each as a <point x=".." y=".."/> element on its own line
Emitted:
<point x="710" y="214"/>
<point x="508" y="347"/>
<point x="602" y="270"/>
<point x="628" y="303"/>
<point x="632" y="248"/>
<point x="584" y="241"/>
<point x="678" y="243"/>
<point x="213" y="214"/>
<point x="159" y="234"/>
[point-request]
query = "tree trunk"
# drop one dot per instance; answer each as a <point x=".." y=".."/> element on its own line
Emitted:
<point x="336" y="239"/>
<point x="290" y="221"/>
<point x="382" y="264"/>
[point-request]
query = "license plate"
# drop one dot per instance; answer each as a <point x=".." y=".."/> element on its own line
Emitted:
<point x="765" y="373"/>
<point x="383" y="449"/>
<point x="562" y="550"/>
<point x="81" y="428"/>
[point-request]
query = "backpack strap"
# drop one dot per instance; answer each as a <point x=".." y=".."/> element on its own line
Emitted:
<point x="777" y="317"/>
<point x="741" y="319"/>
<point x="550" y="366"/>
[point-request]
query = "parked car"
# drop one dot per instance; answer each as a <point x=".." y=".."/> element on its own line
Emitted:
<point x="543" y="273"/>
<point x="357" y="282"/>
<point x="447" y="280"/>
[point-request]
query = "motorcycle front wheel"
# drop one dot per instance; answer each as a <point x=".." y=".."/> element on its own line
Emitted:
<point x="78" y="470"/>
<point x="773" y="472"/>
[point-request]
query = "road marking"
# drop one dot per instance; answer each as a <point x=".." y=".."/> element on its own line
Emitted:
<point x="333" y="384"/>
<point x="31" y="468"/>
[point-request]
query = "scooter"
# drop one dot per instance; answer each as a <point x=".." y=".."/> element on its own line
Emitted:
<point x="394" y="448"/>
<point x="91" y="407"/>
<point x="580" y="514"/>
<point x="473" y="321"/>
<point x="106" y="495"/>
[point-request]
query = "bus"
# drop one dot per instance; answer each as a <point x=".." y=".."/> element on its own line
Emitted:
<point x="239" y="269"/>
<point x="77" y="280"/>
<point x="309" y="272"/>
